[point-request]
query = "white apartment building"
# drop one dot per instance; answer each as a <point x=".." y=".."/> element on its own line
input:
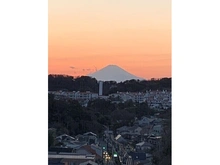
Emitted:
<point x="75" y="95"/>
<point x="125" y="96"/>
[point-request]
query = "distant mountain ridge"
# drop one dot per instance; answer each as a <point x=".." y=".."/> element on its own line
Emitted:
<point x="113" y="73"/>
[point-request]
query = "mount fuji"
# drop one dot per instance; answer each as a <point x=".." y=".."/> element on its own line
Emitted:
<point x="113" y="73"/>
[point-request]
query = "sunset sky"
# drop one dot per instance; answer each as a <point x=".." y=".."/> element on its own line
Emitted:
<point x="87" y="35"/>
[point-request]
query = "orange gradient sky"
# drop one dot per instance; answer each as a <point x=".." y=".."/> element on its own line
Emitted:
<point x="87" y="35"/>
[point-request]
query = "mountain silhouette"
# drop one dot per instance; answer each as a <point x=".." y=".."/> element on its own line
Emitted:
<point x="113" y="73"/>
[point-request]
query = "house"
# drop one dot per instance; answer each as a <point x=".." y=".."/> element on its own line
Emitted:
<point x="90" y="150"/>
<point x="139" y="97"/>
<point x="122" y="129"/>
<point x="120" y="139"/>
<point x="90" y="134"/>
<point x="126" y="96"/>
<point x="97" y="149"/>
<point x="81" y="138"/>
<point x="70" y="141"/>
<point x="88" y="163"/>
<point x="158" y="121"/>
<point x="91" y="137"/>
<point x="143" y="146"/>
<point x="155" y="140"/>
<point x="145" y="121"/>
<point x="137" y="155"/>
<point x="59" y="150"/>
<point x="146" y="129"/>
<point x="135" y="130"/>
<point x="157" y="130"/>
<point x="69" y="158"/>
<point x="85" y="150"/>
<point x="76" y="144"/>
<point x="139" y="158"/>
<point x="65" y="138"/>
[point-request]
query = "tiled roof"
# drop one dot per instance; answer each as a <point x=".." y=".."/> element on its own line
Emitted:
<point x="60" y="149"/>
<point x="90" y="133"/>
<point x="89" y="149"/>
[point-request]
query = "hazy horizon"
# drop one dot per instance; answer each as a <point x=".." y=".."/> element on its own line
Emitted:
<point x="89" y="74"/>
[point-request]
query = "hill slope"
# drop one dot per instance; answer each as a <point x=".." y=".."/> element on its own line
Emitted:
<point x="113" y="73"/>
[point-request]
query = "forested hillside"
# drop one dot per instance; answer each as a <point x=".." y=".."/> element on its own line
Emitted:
<point x="85" y="83"/>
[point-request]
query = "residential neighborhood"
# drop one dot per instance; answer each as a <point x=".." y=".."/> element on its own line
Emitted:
<point x="128" y="145"/>
<point x="121" y="128"/>
<point x="159" y="100"/>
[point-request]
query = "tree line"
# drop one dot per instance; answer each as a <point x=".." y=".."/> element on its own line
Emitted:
<point x="85" y="83"/>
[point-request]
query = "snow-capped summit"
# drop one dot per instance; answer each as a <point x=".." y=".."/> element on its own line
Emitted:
<point x="113" y="73"/>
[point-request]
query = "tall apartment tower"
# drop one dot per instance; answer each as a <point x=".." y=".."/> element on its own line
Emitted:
<point x="100" y="88"/>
